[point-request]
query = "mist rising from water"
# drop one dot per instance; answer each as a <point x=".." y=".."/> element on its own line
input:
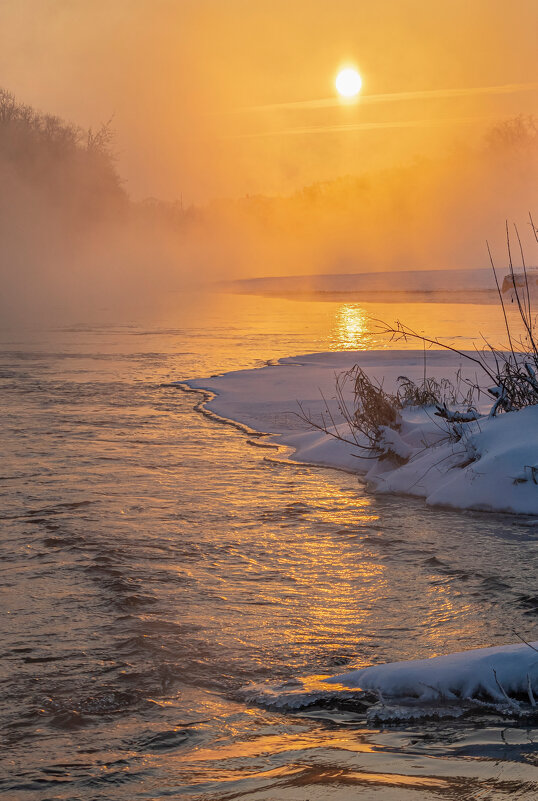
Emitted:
<point x="74" y="244"/>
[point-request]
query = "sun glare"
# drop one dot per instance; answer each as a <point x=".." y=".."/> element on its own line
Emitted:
<point x="348" y="83"/>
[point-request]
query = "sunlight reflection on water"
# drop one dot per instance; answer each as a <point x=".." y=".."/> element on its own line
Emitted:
<point x="351" y="328"/>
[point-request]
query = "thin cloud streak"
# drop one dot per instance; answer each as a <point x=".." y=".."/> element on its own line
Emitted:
<point x="361" y="126"/>
<point x="393" y="97"/>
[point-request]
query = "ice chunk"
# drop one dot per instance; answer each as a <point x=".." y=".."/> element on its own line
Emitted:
<point x="499" y="674"/>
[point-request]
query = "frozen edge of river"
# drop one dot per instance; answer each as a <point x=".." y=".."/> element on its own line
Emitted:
<point x="492" y="468"/>
<point x="265" y="401"/>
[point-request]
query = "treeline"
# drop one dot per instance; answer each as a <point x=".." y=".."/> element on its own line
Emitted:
<point x="71" y="241"/>
<point x="510" y="145"/>
<point x="71" y="238"/>
<point x="69" y="167"/>
<point x="431" y="211"/>
<point x="75" y="170"/>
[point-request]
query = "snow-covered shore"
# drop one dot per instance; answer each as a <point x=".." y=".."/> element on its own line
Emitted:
<point x="501" y="679"/>
<point x="487" y="672"/>
<point x="493" y="465"/>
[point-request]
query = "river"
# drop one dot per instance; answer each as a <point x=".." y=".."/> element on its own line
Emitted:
<point x="156" y="565"/>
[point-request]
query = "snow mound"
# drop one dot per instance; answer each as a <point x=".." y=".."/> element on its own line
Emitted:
<point x="491" y="465"/>
<point x="502" y="678"/>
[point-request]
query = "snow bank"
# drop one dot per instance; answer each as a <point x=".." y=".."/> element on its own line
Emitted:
<point x="504" y="677"/>
<point x="501" y="679"/>
<point x="492" y="465"/>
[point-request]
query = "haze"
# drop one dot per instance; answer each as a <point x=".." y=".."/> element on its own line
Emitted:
<point x="212" y="101"/>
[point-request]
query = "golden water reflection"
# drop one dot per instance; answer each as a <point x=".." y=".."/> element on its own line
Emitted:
<point x="352" y="328"/>
<point x="359" y="326"/>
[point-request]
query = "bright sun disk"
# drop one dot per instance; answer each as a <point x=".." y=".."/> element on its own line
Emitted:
<point x="348" y="83"/>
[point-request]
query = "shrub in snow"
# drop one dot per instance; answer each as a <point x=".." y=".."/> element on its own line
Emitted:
<point x="429" y="437"/>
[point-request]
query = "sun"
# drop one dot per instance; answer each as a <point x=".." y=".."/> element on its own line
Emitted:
<point x="348" y="82"/>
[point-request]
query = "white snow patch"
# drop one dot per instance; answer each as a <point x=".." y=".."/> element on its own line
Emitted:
<point x="493" y="466"/>
<point x="505" y="677"/>
<point x="500" y="679"/>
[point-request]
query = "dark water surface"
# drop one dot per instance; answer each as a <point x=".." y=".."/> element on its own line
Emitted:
<point x="155" y="564"/>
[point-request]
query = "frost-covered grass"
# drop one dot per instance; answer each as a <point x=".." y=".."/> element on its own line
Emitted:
<point x="431" y="439"/>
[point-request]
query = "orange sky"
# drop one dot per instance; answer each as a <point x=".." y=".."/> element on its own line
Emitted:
<point x="209" y="96"/>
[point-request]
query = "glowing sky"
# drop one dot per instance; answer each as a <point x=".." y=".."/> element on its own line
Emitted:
<point x="224" y="97"/>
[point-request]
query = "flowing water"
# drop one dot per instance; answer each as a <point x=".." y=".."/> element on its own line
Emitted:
<point x="156" y="566"/>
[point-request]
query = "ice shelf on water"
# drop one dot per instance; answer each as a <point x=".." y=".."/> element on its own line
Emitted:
<point x="504" y="678"/>
<point x="491" y="465"/>
<point x="501" y="680"/>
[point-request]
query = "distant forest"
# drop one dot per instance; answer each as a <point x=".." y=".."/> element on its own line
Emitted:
<point x="69" y="233"/>
<point x="68" y="166"/>
<point x="76" y="168"/>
